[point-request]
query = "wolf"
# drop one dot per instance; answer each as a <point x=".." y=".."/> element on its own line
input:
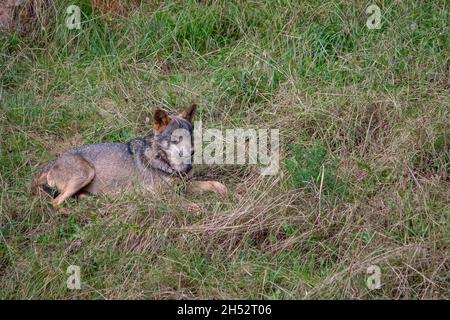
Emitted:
<point x="146" y="162"/>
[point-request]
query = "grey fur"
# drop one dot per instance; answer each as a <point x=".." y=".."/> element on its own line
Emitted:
<point x="144" y="161"/>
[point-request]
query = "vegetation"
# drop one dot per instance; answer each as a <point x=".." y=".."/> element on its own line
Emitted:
<point x="363" y="116"/>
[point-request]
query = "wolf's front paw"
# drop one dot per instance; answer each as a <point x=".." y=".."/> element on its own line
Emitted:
<point x="218" y="188"/>
<point x="214" y="186"/>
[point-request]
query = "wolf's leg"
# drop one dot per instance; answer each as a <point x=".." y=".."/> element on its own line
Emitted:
<point x="214" y="186"/>
<point x="83" y="195"/>
<point x="69" y="175"/>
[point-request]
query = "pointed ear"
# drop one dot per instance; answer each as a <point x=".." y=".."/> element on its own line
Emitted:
<point x="189" y="113"/>
<point x="160" y="120"/>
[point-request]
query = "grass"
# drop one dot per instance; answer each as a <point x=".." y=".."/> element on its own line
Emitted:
<point x="364" y="127"/>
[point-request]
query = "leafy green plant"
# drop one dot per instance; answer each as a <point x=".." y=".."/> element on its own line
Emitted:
<point x="308" y="165"/>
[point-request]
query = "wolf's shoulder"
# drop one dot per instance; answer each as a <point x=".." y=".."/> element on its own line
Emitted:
<point x="139" y="144"/>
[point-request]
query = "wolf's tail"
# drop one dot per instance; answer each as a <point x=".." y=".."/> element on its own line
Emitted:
<point x="40" y="182"/>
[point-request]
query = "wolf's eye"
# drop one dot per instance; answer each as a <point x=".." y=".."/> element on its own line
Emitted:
<point x="176" y="140"/>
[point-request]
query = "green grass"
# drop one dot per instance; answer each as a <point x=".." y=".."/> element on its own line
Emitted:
<point x="366" y="181"/>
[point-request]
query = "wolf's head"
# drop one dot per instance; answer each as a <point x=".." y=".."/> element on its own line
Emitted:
<point x="173" y="136"/>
